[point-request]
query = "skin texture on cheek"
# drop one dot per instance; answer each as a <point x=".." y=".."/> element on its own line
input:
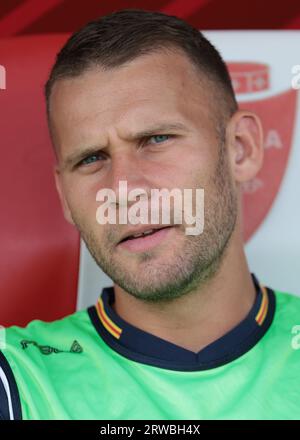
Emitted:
<point x="176" y="268"/>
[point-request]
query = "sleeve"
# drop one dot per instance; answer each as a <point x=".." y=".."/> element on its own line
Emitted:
<point x="10" y="405"/>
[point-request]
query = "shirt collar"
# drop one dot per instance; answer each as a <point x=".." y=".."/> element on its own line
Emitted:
<point x="141" y="346"/>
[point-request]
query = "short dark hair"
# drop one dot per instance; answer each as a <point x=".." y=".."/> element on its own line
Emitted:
<point x="122" y="36"/>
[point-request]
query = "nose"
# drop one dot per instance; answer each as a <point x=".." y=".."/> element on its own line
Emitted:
<point x="127" y="174"/>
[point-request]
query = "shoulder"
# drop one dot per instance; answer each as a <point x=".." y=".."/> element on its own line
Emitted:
<point x="56" y="334"/>
<point x="25" y="349"/>
<point x="284" y="332"/>
<point x="38" y="327"/>
<point x="287" y="305"/>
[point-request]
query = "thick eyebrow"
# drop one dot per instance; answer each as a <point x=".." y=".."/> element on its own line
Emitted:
<point x="82" y="153"/>
<point x="157" y="129"/>
<point x="77" y="156"/>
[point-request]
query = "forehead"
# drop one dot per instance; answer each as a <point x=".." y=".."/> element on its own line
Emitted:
<point x="138" y="92"/>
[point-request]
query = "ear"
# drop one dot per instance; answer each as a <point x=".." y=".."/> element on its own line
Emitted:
<point x="63" y="201"/>
<point x="245" y="145"/>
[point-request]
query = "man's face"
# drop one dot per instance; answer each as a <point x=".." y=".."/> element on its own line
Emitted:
<point x="105" y="110"/>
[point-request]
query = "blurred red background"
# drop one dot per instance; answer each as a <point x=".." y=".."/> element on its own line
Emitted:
<point x="20" y="17"/>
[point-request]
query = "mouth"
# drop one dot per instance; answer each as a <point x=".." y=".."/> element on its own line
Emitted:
<point x="145" y="240"/>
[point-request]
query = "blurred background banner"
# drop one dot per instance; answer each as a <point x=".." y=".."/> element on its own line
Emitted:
<point x="46" y="271"/>
<point x="56" y="16"/>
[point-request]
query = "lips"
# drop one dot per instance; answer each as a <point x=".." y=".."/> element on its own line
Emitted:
<point x="142" y="232"/>
<point x="145" y="243"/>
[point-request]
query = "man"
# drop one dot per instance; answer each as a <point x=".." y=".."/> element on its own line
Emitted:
<point x="186" y="332"/>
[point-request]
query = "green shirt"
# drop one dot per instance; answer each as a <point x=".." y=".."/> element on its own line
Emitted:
<point x="94" y="365"/>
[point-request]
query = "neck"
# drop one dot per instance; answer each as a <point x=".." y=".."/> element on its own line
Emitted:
<point x="202" y="316"/>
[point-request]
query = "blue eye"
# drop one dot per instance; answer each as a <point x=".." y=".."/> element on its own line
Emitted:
<point x="160" y="138"/>
<point x="89" y="159"/>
